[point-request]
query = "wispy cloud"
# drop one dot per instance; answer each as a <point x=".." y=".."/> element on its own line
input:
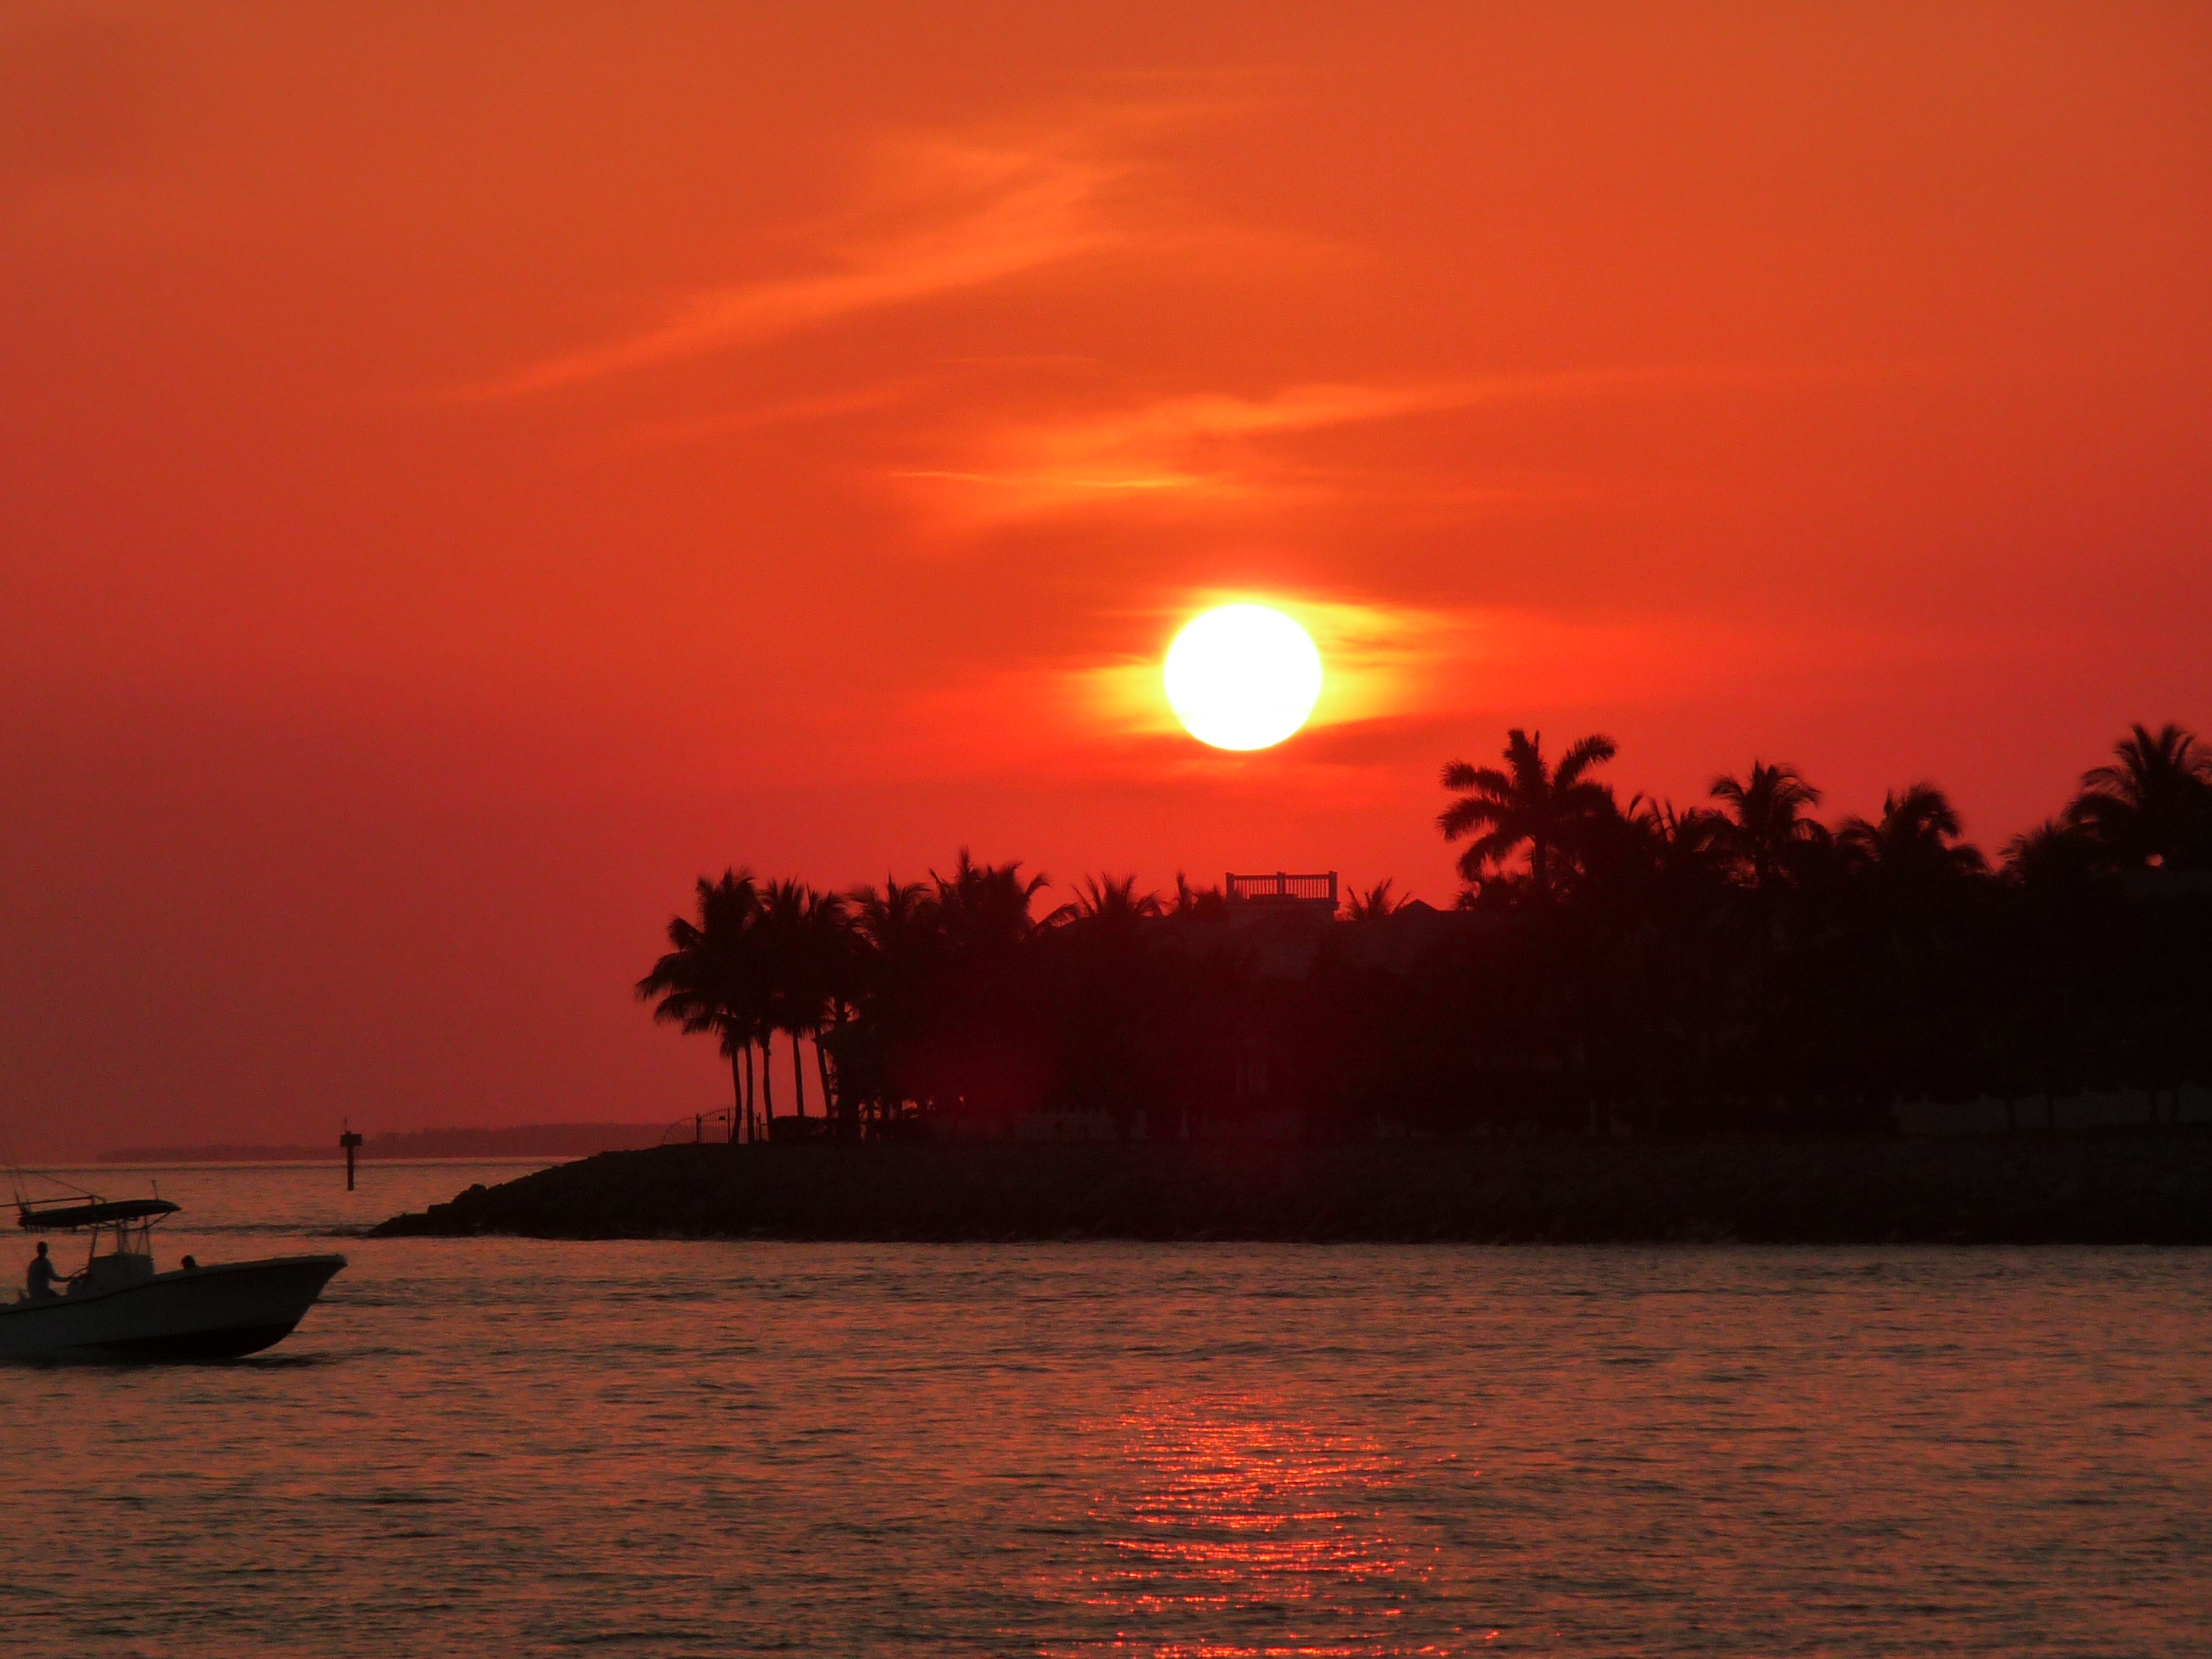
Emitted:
<point x="1221" y="447"/>
<point x="825" y="406"/>
<point x="941" y="217"/>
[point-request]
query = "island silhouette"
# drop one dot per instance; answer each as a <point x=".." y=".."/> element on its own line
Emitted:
<point x="1617" y="974"/>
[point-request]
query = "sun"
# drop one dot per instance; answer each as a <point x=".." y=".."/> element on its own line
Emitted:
<point x="1242" y="677"/>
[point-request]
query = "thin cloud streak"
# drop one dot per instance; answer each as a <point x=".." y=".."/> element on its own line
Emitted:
<point x="828" y="406"/>
<point x="1212" y="447"/>
<point x="999" y="213"/>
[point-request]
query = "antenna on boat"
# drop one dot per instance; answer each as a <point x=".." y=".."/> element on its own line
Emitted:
<point x="17" y="1176"/>
<point x="14" y="1171"/>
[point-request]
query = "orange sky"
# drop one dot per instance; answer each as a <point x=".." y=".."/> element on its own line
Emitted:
<point x="463" y="475"/>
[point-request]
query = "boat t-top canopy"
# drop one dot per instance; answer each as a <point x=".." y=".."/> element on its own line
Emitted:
<point x="64" y="1215"/>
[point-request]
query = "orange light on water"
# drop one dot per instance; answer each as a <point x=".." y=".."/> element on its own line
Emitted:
<point x="1266" y="1521"/>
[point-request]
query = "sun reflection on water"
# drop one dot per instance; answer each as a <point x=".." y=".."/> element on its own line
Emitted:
<point x="1243" y="1532"/>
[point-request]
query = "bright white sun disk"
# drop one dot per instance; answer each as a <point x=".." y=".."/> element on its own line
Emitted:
<point x="1242" y="677"/>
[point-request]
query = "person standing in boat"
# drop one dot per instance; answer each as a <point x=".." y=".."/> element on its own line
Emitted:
<point x="43" y="1274"/>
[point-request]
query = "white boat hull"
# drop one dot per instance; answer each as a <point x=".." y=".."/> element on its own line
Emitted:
<point x="216" y="1312"/>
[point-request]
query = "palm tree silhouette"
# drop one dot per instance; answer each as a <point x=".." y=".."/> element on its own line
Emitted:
<point x="1681" y="841"/>
<point x="986" y="905"/>
<point x="894" y="953"/>
<point x="1910" y="886"/>
<point x="828" y="948"/>
<point x="2055" y="853"/>
<point x="710" y="979"/>
<point x="1731" y="965"/>
<point x="1376" y="902"/>
<point x="1107" y="904"/>
<point x="803" y="936"/>
<point x="896" y="918"/>
<point x="1197" y="903"/>
<point x="1526" y="805"/>
<point x="1913" y="842"/>
<point x="1766" y="828"/>
<point x="978" y="1049"/>
<point x="2152" y="807"/>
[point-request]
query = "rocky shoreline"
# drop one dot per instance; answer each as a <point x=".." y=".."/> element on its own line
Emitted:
<point x="2149" y="1189"/>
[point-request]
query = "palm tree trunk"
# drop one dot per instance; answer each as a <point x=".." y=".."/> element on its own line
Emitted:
<point x="768" y="1083"/>
<point x="753" y="1128"/>
<point x="737" y="1107"/>
<point x="798" y="1075"/>
<point x="822" y="1067"/>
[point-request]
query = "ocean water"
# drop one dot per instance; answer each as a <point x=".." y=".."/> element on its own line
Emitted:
<point x="511" y="1448"/>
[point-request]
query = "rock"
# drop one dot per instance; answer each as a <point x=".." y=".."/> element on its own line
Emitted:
<point x="2133" y="1190"/>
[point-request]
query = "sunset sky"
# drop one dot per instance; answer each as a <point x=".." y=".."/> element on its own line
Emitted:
<point x="465" y="471"/>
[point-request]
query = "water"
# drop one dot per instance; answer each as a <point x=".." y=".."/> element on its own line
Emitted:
<point x="496" y="1447"/>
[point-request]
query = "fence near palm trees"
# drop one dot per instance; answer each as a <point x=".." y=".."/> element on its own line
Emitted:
<point x="1280" y="888"/>
<point x="702" y="1127"/>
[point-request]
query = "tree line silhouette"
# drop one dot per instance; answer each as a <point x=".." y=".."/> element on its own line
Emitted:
<point x="1738" y="963"/>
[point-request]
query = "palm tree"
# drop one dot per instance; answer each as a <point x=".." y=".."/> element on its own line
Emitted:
<point x="1679" y="840"/>
<point x="895" y="943"/>
<point x="803" y="945"/>
<point x="1376" y="902"/>
<point x="1107" y="904"/>
<point x="1913" y="842"/>
<point x="1910" y="896"/>
<point x="710" y="978"/>
<point x="897" y="918"/>
<point x="2153" y="806"/>
<point x="1197" y="903"/>
<point x="1526" y="805"/>
<point x="985" y="1052"/>
<point x="986" y="905"/>
<point x="1766" y="826"/>
<point x="1675" y="965"/>
<point x="1650" y="853"/>
<point x="830" y="952"/>
<point x="2056" y="852"/>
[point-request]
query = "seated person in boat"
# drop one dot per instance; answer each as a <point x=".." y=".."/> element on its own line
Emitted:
<point x="43" y="1274"/>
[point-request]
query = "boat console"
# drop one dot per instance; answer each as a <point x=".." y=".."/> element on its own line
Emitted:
<point x="113" y="1271"/>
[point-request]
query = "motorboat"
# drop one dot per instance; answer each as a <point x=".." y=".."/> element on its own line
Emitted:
<point x="119" y="1308"/>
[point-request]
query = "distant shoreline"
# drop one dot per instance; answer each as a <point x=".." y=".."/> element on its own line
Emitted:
<point x="319" y="1161"/>
<point x="2126" y="1189"/>
<point x="522" y="1140"/>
